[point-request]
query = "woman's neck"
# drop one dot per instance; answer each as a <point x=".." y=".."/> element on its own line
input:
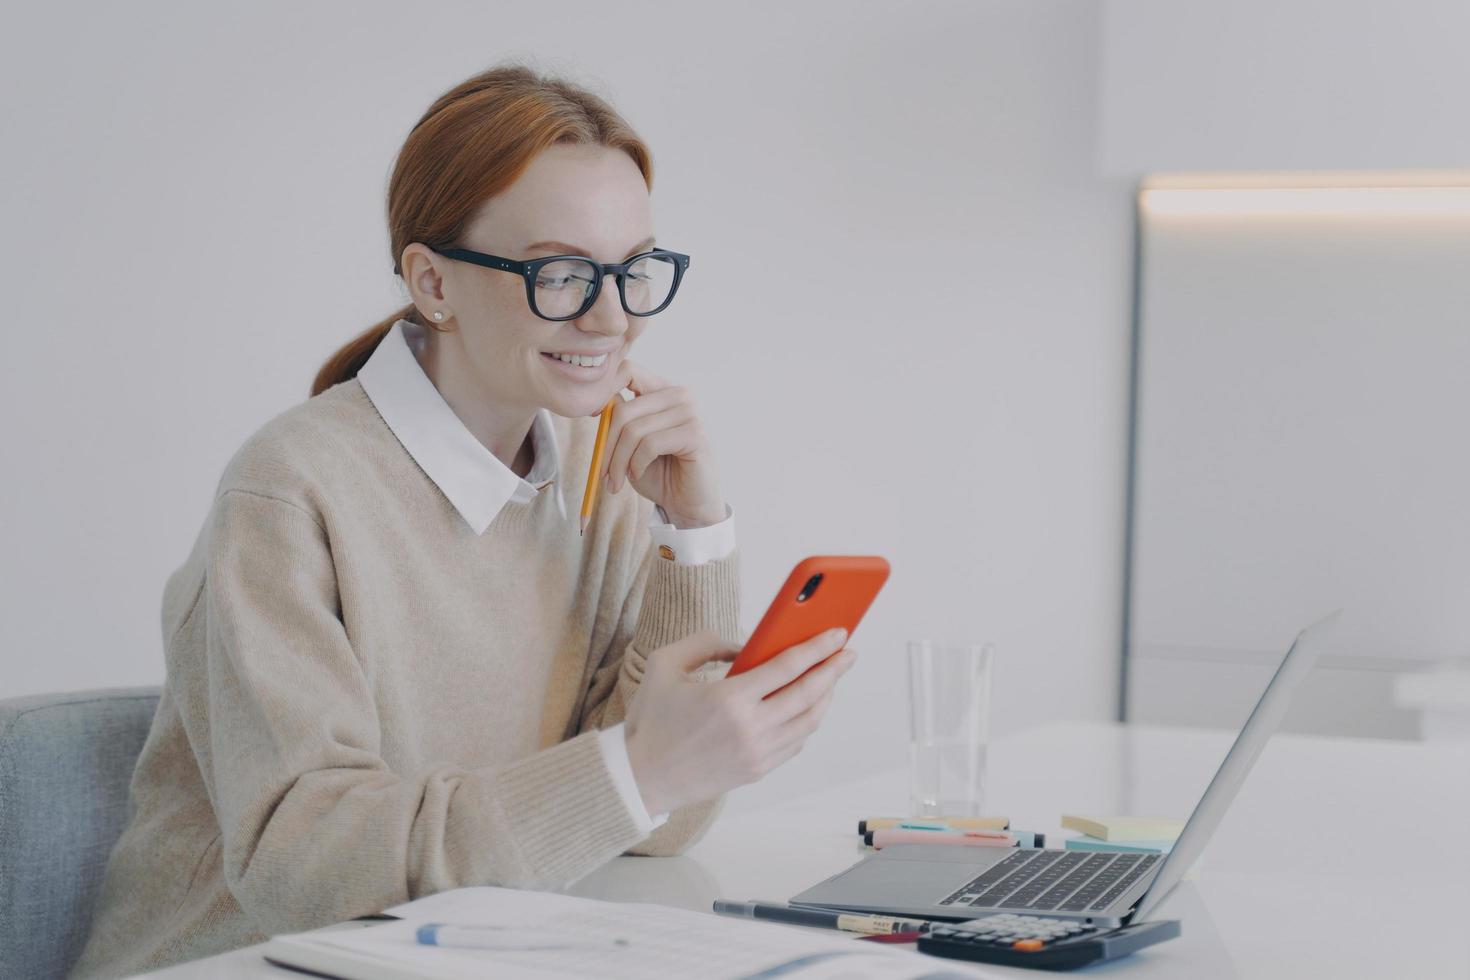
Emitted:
<point x="507" y="434"/>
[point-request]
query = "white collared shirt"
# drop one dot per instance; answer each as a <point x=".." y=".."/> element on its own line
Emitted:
<point x="478" y="485"/>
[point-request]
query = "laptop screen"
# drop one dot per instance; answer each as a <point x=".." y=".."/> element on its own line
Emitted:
<point x="1238" y="761"/>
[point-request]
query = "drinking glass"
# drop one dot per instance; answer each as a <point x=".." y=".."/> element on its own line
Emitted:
<point x="949" y="715"/>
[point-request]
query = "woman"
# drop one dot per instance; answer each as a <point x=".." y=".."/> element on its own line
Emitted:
<point x="394" y="665"/>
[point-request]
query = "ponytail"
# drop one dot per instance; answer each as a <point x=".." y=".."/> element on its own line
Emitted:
<point x="344" y="365"/>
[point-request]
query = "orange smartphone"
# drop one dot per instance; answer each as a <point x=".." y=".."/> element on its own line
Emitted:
<point x="821" y="593"/>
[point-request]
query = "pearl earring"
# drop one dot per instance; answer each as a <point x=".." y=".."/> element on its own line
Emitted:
<point x="438" y="314"/>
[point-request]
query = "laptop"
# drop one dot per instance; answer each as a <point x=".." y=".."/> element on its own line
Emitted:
<point x="937" y="881"/>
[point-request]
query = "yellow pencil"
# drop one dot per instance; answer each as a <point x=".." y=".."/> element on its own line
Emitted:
<point x="589" y="492"/>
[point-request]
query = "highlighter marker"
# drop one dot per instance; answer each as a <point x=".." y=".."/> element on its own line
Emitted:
<point x="1024" y="838"/>
<point x="947" y="823"/>
<point x="969" y="838"/>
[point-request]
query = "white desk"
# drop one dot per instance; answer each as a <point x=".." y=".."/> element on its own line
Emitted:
<point x="1287" y="887"/>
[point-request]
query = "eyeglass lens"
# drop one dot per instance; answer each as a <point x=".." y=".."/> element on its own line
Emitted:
<point x="563" y="286"/>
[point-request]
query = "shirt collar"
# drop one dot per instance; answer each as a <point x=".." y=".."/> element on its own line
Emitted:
<point x="476" y="482"/>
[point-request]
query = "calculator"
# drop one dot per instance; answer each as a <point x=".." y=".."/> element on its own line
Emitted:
<point x="1039" y="942"/>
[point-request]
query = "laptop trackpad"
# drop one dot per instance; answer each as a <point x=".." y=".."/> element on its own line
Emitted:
<point x="904" y="875"/>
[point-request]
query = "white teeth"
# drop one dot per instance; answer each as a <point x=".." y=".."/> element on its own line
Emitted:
<point x="580" y="360"/>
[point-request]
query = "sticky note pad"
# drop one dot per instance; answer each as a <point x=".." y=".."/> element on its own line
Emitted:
<point x="1125" y="828"/>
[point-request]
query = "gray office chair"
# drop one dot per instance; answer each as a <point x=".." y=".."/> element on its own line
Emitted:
<point x="65" y="764"/>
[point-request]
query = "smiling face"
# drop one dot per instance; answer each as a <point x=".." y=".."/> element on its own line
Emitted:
<point x="571" y="200"/>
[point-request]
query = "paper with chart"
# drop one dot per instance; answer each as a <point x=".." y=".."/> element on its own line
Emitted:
<point x="657" y="941"/>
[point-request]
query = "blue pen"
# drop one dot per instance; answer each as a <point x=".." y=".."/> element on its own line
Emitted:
<point x="469" y="936"/>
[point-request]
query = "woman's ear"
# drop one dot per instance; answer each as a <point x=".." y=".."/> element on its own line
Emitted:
<point x="424" y="278"/>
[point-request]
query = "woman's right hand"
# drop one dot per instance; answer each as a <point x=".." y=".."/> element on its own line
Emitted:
<point x="690" y="740"/>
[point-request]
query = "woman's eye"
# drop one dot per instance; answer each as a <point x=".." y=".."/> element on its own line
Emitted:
<point x="552" y="282"/>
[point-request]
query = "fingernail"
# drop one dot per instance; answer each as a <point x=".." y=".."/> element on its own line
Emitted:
<point x="837" y="635"/>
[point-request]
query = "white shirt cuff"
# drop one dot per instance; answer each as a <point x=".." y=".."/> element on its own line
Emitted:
<point x="692" y="545"/>
<point x="615" y="753"/>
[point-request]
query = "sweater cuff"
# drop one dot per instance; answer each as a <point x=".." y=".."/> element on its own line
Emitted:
<point x="682" y="599"/>
<point x="614" y="742"/>
<point x="563" y="811"/>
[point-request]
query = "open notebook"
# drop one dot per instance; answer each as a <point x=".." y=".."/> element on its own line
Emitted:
<point x="657" y="941"/>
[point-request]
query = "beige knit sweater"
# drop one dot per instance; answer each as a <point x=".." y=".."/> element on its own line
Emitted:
<point x="366" y="702"/>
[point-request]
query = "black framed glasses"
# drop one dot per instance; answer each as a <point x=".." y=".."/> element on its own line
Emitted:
<point x="564" y="287"/>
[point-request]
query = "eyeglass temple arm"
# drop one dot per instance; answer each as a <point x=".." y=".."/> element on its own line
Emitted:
<point x="494" y="262"/>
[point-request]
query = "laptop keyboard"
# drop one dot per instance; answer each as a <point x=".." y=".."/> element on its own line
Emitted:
<point x="1054" y="881"/>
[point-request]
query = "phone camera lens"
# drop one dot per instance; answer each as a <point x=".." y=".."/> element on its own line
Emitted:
<point x="809" y="588"/>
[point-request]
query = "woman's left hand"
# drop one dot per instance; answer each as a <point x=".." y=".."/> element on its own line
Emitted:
<point x="657" y="444"/>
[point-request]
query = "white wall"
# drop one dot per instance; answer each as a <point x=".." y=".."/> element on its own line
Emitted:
<point x="1284" y="85"/>
<point x="906" y="321"/>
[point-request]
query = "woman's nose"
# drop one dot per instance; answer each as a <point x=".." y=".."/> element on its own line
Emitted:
<point x="607" y="315"/>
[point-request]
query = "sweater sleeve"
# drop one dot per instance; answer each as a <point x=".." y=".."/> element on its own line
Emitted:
<point x="281" y="718"/>
<point x="665" y="601"/>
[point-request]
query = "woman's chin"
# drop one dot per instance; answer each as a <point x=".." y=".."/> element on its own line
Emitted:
<point x="574" y="405"/>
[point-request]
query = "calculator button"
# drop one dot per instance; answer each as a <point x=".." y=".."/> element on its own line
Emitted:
<point x="1027" y="945"/>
